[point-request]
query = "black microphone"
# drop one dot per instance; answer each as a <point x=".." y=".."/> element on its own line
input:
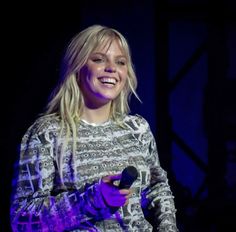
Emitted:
<point x="128" y="176"/>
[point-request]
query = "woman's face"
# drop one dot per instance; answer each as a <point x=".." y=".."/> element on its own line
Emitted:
<point x="104" y="75"/>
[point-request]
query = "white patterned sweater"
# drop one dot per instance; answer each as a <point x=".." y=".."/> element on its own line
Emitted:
<point x="38" y="203"/>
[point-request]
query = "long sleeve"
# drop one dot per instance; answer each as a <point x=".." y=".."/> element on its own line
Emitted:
<point x="161" y="201"/>
<point x="158" y="198"/>
<point x="34" y="207"/>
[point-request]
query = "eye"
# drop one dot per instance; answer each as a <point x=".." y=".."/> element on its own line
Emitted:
<point x="121" y="62"/>
<point x="97" y="60"/>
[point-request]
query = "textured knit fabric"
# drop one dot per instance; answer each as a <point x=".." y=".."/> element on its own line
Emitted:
<point x="40" y="204"/>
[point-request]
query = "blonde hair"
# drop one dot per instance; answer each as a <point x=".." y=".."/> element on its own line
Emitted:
<point x="66" y="100"/>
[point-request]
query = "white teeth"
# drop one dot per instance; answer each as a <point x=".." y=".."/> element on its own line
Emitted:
<point x="108" y="80"/>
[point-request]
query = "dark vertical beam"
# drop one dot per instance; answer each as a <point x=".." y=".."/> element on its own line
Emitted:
<point x="164" y="121"/>
<point x="164" y="126"/>
<point x="217" y="71"/>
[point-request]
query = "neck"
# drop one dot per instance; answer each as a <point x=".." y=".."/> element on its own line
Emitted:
<point x="97" y="115"/>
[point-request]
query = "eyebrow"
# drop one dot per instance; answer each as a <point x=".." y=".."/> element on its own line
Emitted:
<point x="104" y="54"/>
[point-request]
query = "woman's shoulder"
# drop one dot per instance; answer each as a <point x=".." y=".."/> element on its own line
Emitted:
<point x="136" y="121"/>
<point x="44" y="123"/>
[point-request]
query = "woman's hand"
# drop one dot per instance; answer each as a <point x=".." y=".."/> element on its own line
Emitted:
<point x="113" y="196"/>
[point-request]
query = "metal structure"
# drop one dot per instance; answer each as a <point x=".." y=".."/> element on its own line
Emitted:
<point x="194" y="80"/>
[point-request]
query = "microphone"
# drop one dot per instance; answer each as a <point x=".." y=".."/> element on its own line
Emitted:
<point x="128" y="176"/>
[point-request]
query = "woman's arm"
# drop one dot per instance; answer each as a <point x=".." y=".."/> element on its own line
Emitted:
<point x="35" y="206"/>
<point x="157" y="199"/>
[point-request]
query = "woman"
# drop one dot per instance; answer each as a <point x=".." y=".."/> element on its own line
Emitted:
<point x="72" y="157"/>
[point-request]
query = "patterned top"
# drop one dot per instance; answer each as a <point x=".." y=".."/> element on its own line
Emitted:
<point x="39" y="204"/>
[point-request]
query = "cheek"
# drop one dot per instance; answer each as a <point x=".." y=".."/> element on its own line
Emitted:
<point x="84" y="78"/>
<point x="89" y="71"/>
<point x="84" y="72"/>
<point x="86" y="75"/>
<point x="124" y="76"/>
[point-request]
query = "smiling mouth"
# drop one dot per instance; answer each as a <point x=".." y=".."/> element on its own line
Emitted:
<point x="108" y="80"/>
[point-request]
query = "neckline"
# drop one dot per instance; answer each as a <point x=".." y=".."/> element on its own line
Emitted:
<point x="95" y="124"/>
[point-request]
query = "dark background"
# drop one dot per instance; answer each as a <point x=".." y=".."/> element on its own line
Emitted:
<point x="184" y="54"/>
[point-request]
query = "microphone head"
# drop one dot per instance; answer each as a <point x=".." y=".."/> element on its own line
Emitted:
<point x="128" y="176"/>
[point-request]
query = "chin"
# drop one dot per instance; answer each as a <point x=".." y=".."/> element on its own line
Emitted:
<point x="109" y="97"/>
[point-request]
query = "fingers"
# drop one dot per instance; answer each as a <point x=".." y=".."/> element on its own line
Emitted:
<point x="126" y="192"/>
<point x="117" y="201"/>
<point x="114" y="196"/>
<point x="111" y="178"/>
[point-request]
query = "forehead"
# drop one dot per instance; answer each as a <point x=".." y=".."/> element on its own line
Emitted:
<point x="107" y="43"/>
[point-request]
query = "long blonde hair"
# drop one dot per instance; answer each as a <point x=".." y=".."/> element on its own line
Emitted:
<point x="66" y="100"/>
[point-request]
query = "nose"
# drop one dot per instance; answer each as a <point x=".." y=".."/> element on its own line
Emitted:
<point x="110" y="67"/>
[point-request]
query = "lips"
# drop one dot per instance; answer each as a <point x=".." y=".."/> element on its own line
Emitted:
<point x="108" y="80"/>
